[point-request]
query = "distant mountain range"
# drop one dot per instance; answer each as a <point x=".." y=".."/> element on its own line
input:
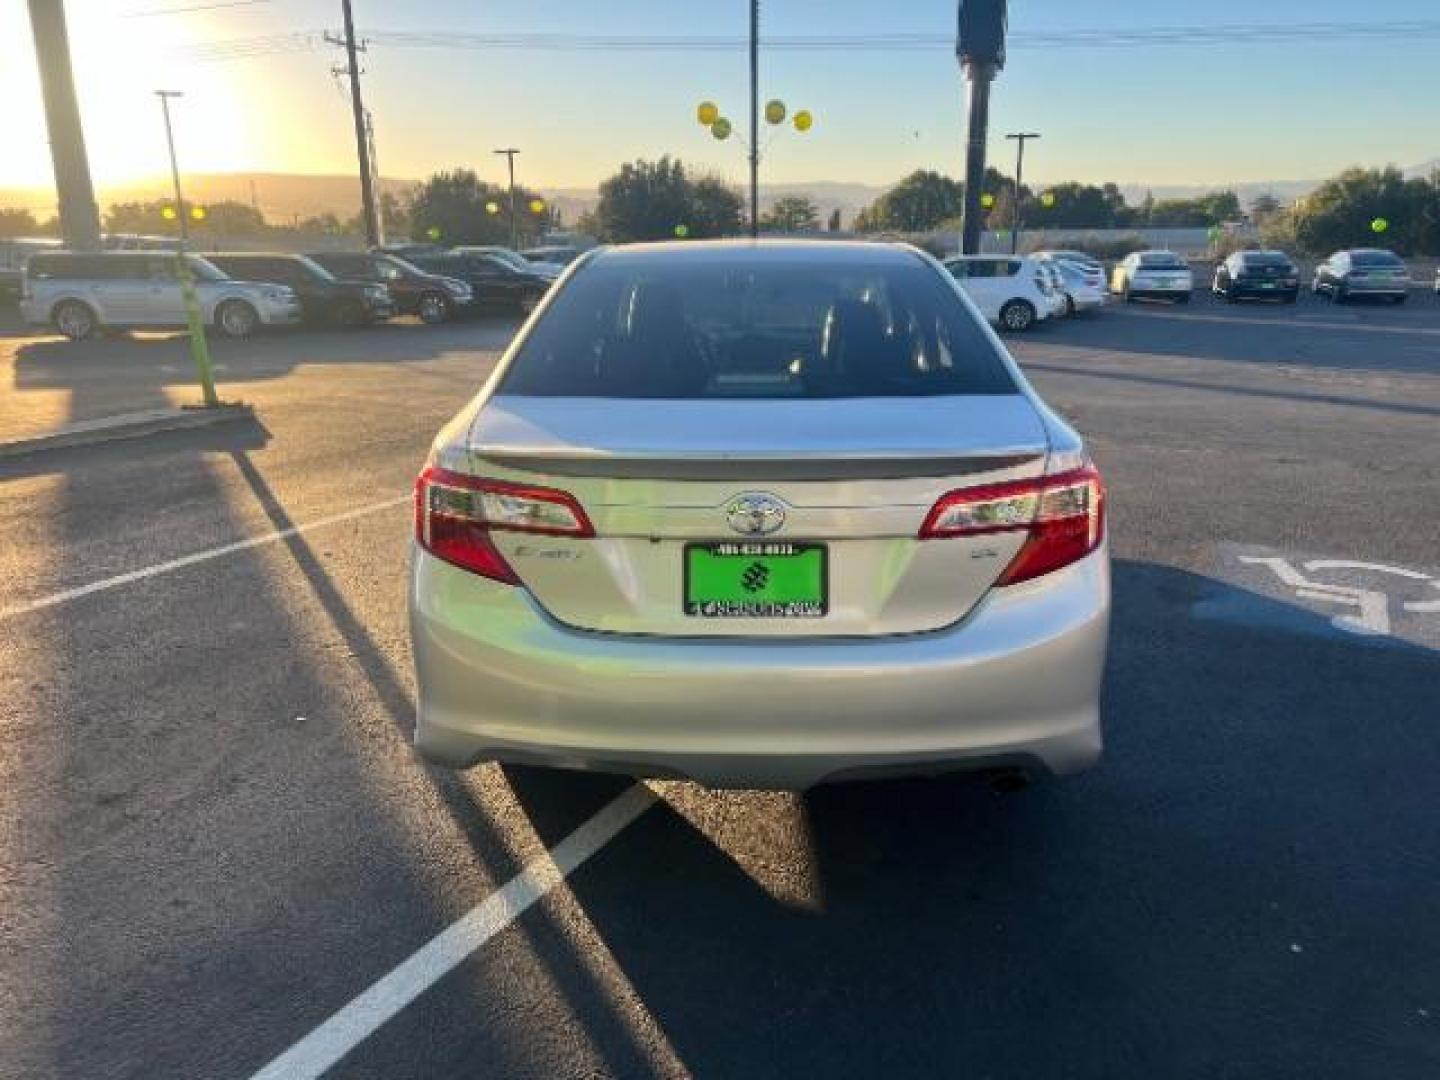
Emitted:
<point x="284" y="197"/>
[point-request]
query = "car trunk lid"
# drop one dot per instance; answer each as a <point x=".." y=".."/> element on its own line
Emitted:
<point x="853" y="480"/>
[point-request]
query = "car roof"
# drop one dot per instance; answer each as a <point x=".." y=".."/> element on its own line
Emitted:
<point x="683" y="253"/>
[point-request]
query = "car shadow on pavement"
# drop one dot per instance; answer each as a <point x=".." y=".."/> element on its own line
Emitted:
<point x="128" y="373"/>
<point x="1244" y="887"/>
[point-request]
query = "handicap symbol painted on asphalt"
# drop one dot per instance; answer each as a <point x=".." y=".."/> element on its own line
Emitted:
<point x="1358" y="597"/>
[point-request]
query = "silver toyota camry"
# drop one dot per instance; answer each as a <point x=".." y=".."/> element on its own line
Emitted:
<point x="759" y="515"/>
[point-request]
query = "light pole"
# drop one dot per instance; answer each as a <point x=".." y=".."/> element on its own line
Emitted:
<point x="1020" y="138"/>
<point x="980" y="48"/>
<point x="754" y="119"/>
<point x="510" y="153"/>
<point x="199" y="347"/>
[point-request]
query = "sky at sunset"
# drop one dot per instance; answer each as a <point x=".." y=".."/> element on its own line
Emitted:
<point x="1163" y="115"/>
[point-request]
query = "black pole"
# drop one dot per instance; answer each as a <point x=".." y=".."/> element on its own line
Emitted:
<point x="180" y="211"/>
<point x="75" y="194"/>
<point x="979" y="77"/>
<point x="510" y="153"/>
<point x="754" y="118"/>
<point x="1019" y="184"/>
<point x="362" y="143"/>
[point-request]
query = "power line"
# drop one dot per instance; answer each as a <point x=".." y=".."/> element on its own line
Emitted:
<point x="193" y="7"/>
<point x="1163" y="36"/>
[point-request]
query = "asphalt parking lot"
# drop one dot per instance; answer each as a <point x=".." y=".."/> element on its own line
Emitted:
<point x="220" y="858"/>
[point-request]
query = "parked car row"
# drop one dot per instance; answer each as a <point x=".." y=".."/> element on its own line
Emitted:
<point x="80" y="293"/>
<point x="1015" y="292"/>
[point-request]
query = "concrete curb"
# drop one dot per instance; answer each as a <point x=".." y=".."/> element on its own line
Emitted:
<point x="125" y="426"/>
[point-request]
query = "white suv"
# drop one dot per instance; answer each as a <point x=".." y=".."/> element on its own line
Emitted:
<point x="1012" y="291"/>
<point x="80" y="292"/>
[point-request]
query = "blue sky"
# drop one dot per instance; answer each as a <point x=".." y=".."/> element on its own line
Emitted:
<point x="1162" y="115"/>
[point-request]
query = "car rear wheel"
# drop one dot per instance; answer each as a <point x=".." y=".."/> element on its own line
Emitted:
<point x="1017" y="316"/>
<point x="433" y="308"/>
<point x="74" y="319"/>
<point x="236" y="319"/>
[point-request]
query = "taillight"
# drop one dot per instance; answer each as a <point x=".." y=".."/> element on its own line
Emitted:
<point x="1063" y="517"/>
<point x="455" y="514"/>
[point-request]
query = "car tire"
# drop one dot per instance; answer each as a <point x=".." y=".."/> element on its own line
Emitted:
<point x="1017" y="316"/>
<point x="433" y="308"/>
<point x="74" y="319"/>
<point x="236" y="319"/>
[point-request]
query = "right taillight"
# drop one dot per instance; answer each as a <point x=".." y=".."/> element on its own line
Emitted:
<point x="1063" y="517"/>
<point x="455" y="514"/>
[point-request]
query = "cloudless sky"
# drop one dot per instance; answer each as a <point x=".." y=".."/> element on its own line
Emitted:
<point x="1161" y="115"/>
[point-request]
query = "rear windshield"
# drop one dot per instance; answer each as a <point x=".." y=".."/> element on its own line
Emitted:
<point x="1265" y="258"/>
<point x="742" y="329"/>
<point x="1162" y="262"/>
<point x="1375" y="258"/>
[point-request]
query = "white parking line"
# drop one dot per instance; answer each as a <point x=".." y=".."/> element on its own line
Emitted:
<point x="190" y="560"/>
<point x="354" y="1023"/>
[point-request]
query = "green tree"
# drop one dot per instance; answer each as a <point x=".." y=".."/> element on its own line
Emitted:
<point x="454" y="205"/>
<point x="793" y="213"/>
<point x="224" y="218"/>
<point x="1263" y="206"/>
<point x="833" y="225"/>
<point x="716" y="209"/>
<point x="18" y="223"/>
<point x="394" y="215"/>
<point x="1340" y="212"/>
<point x="1213" y="208"/>
<point x="649" y="200"/>
<point x="920" y="202"/>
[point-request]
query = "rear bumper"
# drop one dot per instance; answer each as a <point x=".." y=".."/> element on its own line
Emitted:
<point x="1016" y="683"/>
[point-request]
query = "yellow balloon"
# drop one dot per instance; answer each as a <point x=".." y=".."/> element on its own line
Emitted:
<point x="707" y="113"/>
<point x="775" y="112"/>
<point x="682" y="231"/>
<point x="168" y="213"/>
<point x="720" y="129"/>
<point x="433" y="232"/>
<point x="537" y="206"/>
<point x="198" y="213"/>
<point x="987" y="200"/>
<point x="803" y="120"/>
<point x="492" y="207"/>
<point x="1048" y="199"/>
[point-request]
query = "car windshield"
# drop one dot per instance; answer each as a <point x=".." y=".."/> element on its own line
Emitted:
<point x="1376" y="258"/>
<point x="636" y="328"/>
<point x="204" y="270"/>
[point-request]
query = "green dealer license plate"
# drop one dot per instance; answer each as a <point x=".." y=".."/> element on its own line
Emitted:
<point x="756" y="580"/>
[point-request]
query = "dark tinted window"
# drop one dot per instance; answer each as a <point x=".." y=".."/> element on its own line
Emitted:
<point x="1162" y="261"/>
<point x="345" y="264"/>
<point x="1376" y="258"/>
<point x="756" y="329"/>
<point x="74" y="267"/>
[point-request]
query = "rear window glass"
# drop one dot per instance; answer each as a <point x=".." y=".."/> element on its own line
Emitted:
<point x="748" y="329"/>
<point x="1375" y="258"/>
<point x="1265" y="258"/>
<point x="1162" y="262"/>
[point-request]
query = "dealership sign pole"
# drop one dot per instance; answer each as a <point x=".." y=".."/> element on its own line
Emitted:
<point x="980" y="48"/>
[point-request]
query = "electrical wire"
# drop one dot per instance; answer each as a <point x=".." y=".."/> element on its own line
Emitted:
<point x="1161" y="36"/>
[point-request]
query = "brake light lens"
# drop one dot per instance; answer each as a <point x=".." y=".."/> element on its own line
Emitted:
<point x="1062" y="515"/>
<point x="455" y="514"/>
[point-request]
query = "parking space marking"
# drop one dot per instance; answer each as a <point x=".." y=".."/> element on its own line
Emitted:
<point x="1385" y="601"/>
<point x="190" y="560"/>
<point x="355" y="1022"/>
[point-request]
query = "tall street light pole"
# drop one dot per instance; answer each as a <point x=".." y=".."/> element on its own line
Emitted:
<point x="980" y="48"/>
<point x="199" y="347"/>
<point x="754" y="118"/>
<point x="1020" y="138"/>
<point x="510" y="153"/>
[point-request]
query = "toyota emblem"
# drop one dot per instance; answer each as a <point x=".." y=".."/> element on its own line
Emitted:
<point x="755" y="514"/>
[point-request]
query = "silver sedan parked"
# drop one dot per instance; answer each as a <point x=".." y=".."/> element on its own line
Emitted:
<point x="760" y="515"/>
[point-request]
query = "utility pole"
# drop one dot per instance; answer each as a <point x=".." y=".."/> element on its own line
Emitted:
<point x="980" y="48"/>
<point x="1020" y="138"/>
<point x="79" y="216"/>
<point x="199" y="347"/>
<point x="754" y="118"/>
<point x="357" y="107"/>
<point x="375" y="179"/>
<point x="510" y="153"/>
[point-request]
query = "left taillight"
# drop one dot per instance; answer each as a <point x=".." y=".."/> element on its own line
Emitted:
<point x="1063" y="517"/>
<point x="455" y="514"/>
